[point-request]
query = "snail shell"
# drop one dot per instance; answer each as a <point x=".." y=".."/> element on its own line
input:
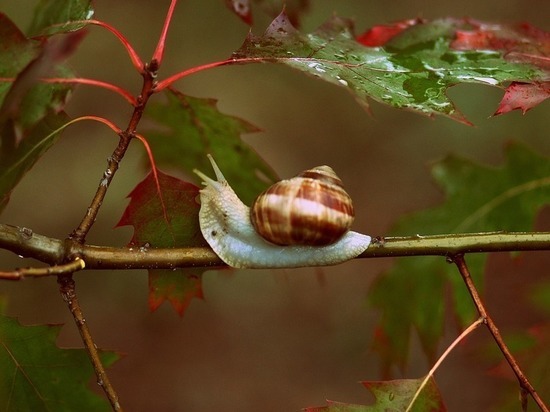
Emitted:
<point x="226" y="225"/>
<point x="310" y="209"/>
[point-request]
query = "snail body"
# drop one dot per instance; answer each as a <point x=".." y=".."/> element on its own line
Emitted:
<point x="229" y="226"/>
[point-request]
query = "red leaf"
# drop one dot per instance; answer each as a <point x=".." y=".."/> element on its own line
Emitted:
<point x="177" y="287"/>
<point x="379" y="35"/>
<point x="519" y="38"/>
<point x="523" y="96"/>
<point x="164" y="213"/>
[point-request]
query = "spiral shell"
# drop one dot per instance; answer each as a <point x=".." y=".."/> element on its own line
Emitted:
<point x="226" y="225"/>
<point x="310" y="209"/>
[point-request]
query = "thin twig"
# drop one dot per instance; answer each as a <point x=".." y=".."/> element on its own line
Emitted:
<point x="525" y="385"/>
<point x="67" y="268"/>
<point x="468" y="330"/>
<point x="68" y="292"/>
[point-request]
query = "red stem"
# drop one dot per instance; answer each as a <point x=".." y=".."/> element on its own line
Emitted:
<point x="159" y="51"/>
<point x="175" y="77"/>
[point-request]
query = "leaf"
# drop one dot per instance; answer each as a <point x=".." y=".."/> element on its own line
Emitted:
<point x="30" y="111"/>
<point x="413" y="70"/>
<point x="36" y="375"/>
<point x="19" y="161"/>
<point x="380" y="35"/>
<point x="195" y="128"/>
<point x="170" y="221"/>
<point x="392" y="396"/>
<point x="29" y="99"/>
<point x="523" y="96"/>
<point x="59" y="16"/>
<point x="478" y="198"/>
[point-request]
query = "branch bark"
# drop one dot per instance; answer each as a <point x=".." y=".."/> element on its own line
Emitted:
<point x="25" y="242"/>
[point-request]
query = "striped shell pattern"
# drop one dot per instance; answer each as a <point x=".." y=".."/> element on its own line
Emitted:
<point x="310" y="209"/>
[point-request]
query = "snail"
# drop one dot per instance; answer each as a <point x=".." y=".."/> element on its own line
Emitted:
<point x="297" y="239"/>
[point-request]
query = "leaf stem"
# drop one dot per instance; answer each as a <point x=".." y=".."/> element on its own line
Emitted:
<point x="525" y="385"/>
<point x="430" y="374"/>
<point x="68" y="292"/>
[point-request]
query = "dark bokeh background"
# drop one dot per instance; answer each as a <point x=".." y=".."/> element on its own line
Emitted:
<point x="267" y="340"/>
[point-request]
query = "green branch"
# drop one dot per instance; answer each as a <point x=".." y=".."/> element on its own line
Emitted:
<point x="24" y="242"/>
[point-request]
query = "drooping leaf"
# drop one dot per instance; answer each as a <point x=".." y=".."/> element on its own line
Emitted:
<point x="59" y="16"/>
<point x="393" y="395"/>
<point x="30" y="110"/>
<point x="25" y="97"/>
<point x="413" y="70"/>
<point x="195" y="128"/>
<point x="166" y="216"/>
<point x="19" y="161"/>
<point x="37" y="375"/>
<point x="523" y="96"/>
<point x="479" y="199"/>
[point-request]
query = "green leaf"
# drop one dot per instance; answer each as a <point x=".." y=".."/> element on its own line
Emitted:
<point x="195" y="128"/>
<point x="28" y="99"/>
<point x="36" y="375"/>
<point x="413" y="71"/>
<point x="59" y="16"/>
<point x="479" y="199"/>
<point x="19" y="161"/>
<point x="164" y="212"/>
<point x="29" y="110"/>
<point x="393" y="395"/>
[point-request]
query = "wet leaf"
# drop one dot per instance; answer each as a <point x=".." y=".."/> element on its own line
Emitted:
<point x="59" y="16"/>
<point x="408" y="65"/>
<point x="166" y="215"/>
<point x="478" y="199"/>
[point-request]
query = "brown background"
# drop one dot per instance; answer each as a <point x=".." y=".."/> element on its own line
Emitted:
<point x="266" y="340"/>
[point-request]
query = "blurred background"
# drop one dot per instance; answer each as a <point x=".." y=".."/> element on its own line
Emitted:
<point x="267" y="340"/>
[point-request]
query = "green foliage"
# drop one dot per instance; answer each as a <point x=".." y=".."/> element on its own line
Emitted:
<point x="479" y="198"/>
<point x="412" y="71"/>
<point x="59" y="16"/>
<point x="197" y="127"/>
<point x="36" y="375"/>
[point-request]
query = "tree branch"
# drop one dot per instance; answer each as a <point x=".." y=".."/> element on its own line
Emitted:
<point x="525" y="385"/>
<point x="68" y="292"/>
<point x="24" y="242"/>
